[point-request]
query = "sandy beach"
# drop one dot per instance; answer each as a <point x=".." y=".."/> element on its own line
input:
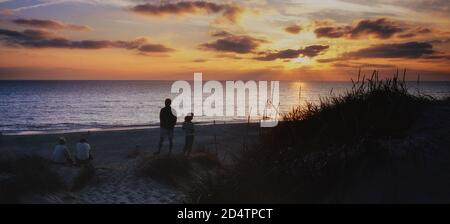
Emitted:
<point x="116" y="154"/>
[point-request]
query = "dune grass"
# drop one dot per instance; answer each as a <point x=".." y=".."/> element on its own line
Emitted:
<point x="27" y="175"/>
<point x="166" y="169"/>
<point x="317" y="149"/>
<point x="187" y="173"/>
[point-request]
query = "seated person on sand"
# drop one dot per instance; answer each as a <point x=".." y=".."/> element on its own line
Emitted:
<point x="188" y="128"/>
<point x="83" y="152"/>
<point x="61" y="154"/>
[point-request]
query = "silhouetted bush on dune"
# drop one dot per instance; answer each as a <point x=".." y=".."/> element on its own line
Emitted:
<point x="320" y="151"/>
<point x="27" y="175"/>
<point x="169" y="169"/>
<point x="195" y="174"/>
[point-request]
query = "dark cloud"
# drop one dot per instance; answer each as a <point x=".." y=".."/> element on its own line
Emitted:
<point x="294" y="29"/>
<point x="241" y="44"/>
<point x="229" y="12"/>
<point x="283" y="54"/>
<point x="416" y="50"/>
<point x="45" y="39"/>
<point x="407" y="35"/>
<point x="313" y="50"/>
<point x="309" y="51"/>
<point x="400" y="50"/>
<point x="332" y="32"/>
<point x="380" y="28"/>
<point x="50" y="24"/>
<point x="154" y="48"/>
<point x="12" y="37"/>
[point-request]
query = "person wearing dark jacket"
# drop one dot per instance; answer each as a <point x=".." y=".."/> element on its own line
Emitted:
<point x="167" y="121"/>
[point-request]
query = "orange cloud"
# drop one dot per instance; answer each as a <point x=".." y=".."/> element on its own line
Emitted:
<point x="294" y="29"/>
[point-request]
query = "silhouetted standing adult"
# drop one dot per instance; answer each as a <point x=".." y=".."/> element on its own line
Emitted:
<point x="167" y="121"/>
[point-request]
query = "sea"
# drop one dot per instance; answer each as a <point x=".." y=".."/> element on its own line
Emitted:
<point x="34" y="107"/>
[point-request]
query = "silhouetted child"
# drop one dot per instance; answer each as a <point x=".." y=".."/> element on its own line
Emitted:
<point x="188" y="128"/>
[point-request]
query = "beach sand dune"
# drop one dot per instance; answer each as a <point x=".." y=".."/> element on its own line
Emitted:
<point x="116" y="155"/>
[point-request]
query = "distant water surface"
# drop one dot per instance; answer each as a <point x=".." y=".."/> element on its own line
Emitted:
<point x="48" y="106"/>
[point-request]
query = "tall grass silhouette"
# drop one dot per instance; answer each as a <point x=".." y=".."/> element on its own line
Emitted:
<point x="27" y="175"/>
<point x="319" y="148"/>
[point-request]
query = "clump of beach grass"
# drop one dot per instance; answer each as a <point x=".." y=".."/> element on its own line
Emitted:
<point x="216" y="186"/>
<point x="168" y="169"/>
<point x="27" y="175"/>
<point x="195" y="174"/>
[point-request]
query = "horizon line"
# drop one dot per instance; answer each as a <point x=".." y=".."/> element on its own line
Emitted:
<point x="282" y="80"/>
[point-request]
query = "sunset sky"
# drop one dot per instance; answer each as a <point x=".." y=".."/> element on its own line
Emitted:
<point x="255" y="39"/>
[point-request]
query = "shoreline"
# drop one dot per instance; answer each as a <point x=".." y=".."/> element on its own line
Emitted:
<point x="119" y="128"/>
